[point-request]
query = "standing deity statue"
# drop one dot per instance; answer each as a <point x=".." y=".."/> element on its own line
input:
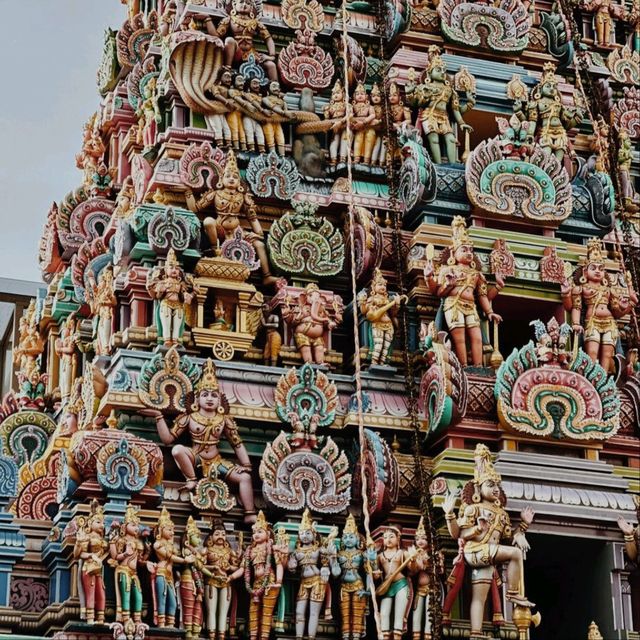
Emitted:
<point x="549" y="120"/>
<point x="631" y="533"/>
<point x="93" y="150"/>
<point x="631" y="201"/>
<point x="395" y="590"/>
<point x="273" y="132"/>
<point x="461" y="284"/>
<point x="309" y="320"/>
<point x="254" y="114"/>
<point x="223" y="565"/>
<point x="604" y="12"/>
<point x="167" y="555"/>
<point x="482" y="525"/>
<point x="149" y="115"/>
<point x="30" y="343"/>
<point x="362" y="123"/>
<point x="174" y="289"/>
<point x="376" y="154"/>
<point x="603" y="302"/>
<point x="102" y="302"/>
<point x="207" y="424"/>
<point x="400" y="113"/>
<point x="90" y="550"/>
<point x="353" y="559"/>
<point x="336" y="111"/>
<point x="231" y="202"/>
<point x="379" y="310"/>
<point x="439" y="105"/>
<point x="420" y="567"/>
<point x="127" y="551"/>
<point x="317" y="561"/>
<point x="264" y="564"/>
<point x="218" y="122"/>
<point x="235" y="95"/>
<point x="65" y="347"/>
<point x="192" y="580"/>
<point x="273" y="340"/>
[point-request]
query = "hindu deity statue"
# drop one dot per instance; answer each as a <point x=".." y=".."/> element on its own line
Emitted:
<point x="336" y="111"/>
<point x="549" y="119"/>
<point x="90" y="550"/>
<point x="362" y="122"/>
<point x="317" y="561"/>
<point x="439" y="105"/>
<point x="192" y="580"/>
<point x="223" y="564"/>
<point x="420" y="568"/>
<point x="354" y="560"/>
<point x="30" y="343"/>
<point x="241" y="26"/>
<point x="631" y="533"/>
<point x="264" y="564"/>
<point x="231" y="202"/>
<point x="272" y="340"/>
<point x="378" y="154"/>
<point x="127" y="551"/>
<point x="631" y="201"/>
<point x="167" y="555"/>
<point x="604" y="12"/>
<point x="149" y="115"/>
<point x="379" y="309"/>
<point x="309" y="320"/>
<point x="174" y="289"/>
<point x="602" y="301"/>
<point x="207" y="423"/>
<point x="102" y="302"/>
<point x="482" y="525"/>
<point x="125" y="200"/>
<point x="93" y="149"/>
<point x="235" y="95"/>
<point x="395" y="589"/>
<point x="400" y="113"/>
<point x="217" y="122"/>
<point x="462" y="286"/>
<point x="273" y="132"/>
<point x="251" y="101"/>
<point x="65" y="347"/>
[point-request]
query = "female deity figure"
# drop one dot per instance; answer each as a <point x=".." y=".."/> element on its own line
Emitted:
<point x="439" y="103"/>
<point x="309" y="320"/>
<point x="223" y="565"/>
<point x="149" y="114"/>
<point x="231" y="202"/>
<point x="164" y="590"/>
<point x="317" y="561"/>
<point x="90" y="551"/>
<point x="461" y="284"/>
<point x="379" y="309"/>
<point x="173" y="289"/>
<point x="482" y="525"/>
<point x="420" y="568"/>
<point x="127" y="551"/>
<point x="362" y="122"/>
<point x="395" y="590"/>
<point x="336" y="110"/>
<point x="65" y="347"/>
<point x="603" y="303"/>
<point x="102" y="303"/>
<point x="549" y="120"/>
<point x="192" y="580"/>
<point x="353" y="559"/>
<point x="264" y="564"/>
<point x="207" y="424"/>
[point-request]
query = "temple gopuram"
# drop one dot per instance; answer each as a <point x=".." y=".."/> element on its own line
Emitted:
<point x="338" y="336"/>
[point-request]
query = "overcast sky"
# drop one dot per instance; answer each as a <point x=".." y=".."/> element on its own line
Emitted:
<point x="50" y="51"/>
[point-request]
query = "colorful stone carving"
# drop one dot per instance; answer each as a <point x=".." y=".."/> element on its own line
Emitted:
<point x="420" y="568"/>
<point x="65" y="347"/>
<point x="134" y="37"/>
<point x="192" y="588"/>
<point x="631" y="533"/>
<point x="544" y="390"/>
<point x="417" y="172"/>
<point x="626" y="112"/>
<point x="625" y="65"/>
<point x="604" y="12"/>
<point x="630" y="199"/>
<point x="300" y="470"/>
<point x="102" y="301"/>
<point x="273" y="176"/>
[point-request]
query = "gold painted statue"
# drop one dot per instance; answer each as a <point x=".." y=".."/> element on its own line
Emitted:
<point x="463" y="287"/>
<point x="336" y="111"/>
<point x="604" y="12"/>
<point x="102" y="303"/>
<point x="273" y="340"/>
<point x="362" y="122"/>
<point x="420" y="567"/>
<point x="602" y="301"/>
<point x="482" y="525"/>
<point x="65" y="347"/>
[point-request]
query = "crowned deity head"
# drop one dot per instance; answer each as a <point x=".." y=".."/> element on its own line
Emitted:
<point x="208" y="390"/>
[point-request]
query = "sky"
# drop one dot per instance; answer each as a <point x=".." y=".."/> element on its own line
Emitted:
<point x="50" y="51"/>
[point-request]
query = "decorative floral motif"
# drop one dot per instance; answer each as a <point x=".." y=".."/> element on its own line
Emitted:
<point x="368" y="243"/>
<point x="502" y="261"/>
<point x="273" y="176"/>
<point x="25" y="435"/>
<point x="302" y="63"/>
<point x="201" y="166"/>
<point x="551" y="266"/>
<point x="28" y="594"/>
<point x="82" y="219"/>
<point x="303" y="14"/>
<point x="238" y="249"/>
<point x="212" y="494"/>
<point x="122" y="467"/>
<point x="167" y="230"/>
<point x="138" y="79"/>
<point x="8" y="477"/>
<point x="625" y="65"/>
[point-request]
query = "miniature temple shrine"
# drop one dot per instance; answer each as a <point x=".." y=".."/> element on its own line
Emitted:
<point x="338" y="333"/>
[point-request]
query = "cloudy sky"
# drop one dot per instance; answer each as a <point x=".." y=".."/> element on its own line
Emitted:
<point x="50" y="50"/>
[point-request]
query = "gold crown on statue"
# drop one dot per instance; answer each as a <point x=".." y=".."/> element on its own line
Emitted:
<point x="172" y="260"/>
<point x="435" y="60"/>
<point x="350" y="525"/>
<point x="337" y="89"/>
<point x="307" y="524"/>
<point x="97" y="513"/>
<point x="261" y="523"/>
<point x="192" y="528"/>
<point x="420" y="531"/>
<point x="231" y="164"/>
<point x="378" y="278"/>
<point x="375" y="89"/>
<point x="549" y="74"/>
<point x="459" y="233"/>
<point x="164" y="519"/>
<point x="484" y="469"/>
<point x="360" y="88"/>
<point x="131" y="515"/>
<point x="394" y="90"/>
<point x="208" y="380"/>
<point x="595" y="252"/>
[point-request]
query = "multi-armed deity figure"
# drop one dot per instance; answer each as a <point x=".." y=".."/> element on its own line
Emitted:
<point x="395" y="589"/>
<point x="353" y="560"/>
<point x="379" y="309"/>
<point x="602" y="301"/>
<point x="207" y="424"/>
<point x="223" y="565"/>
<point x="264" y="564"/>
<point x="420" y="568"/>
<point x="461" y="284"/>
<point x="439" y="104"/>
<point x="127" y="551"/>
<point x="317" y="561"/>
<point x="173" y="289"/>
<point x="102" y="302"/>
<point x="231" y="201"/>
<point x="549" y="119"/>
<point x="90" y="550"/>
<point x="483" y="524"/>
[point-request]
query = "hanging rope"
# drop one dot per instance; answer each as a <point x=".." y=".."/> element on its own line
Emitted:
<point x="362" y="440"/>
